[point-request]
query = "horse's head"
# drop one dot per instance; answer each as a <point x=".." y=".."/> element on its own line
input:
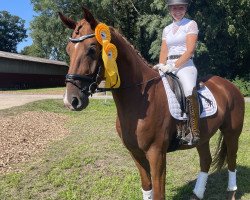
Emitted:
<point x="84" y="69"/>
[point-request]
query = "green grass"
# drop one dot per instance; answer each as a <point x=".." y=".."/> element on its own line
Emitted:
<point x="92" y="163"/>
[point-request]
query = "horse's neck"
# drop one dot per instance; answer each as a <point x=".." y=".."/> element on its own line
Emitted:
<point x="134" y="73"/>
<point x="132" y="68"/>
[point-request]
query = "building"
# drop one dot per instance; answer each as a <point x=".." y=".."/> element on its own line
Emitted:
<point x="22" y="72"/>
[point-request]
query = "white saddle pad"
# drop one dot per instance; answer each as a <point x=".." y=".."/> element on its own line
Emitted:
<point x="209" y="108"/>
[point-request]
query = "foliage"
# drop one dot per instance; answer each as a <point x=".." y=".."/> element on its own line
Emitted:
<point x="32" y="50"/>
<point x="12" y="31"/>
<point x="243" y="85"/>
<point x="224" y="35"/>
<point x="223" y="47"/>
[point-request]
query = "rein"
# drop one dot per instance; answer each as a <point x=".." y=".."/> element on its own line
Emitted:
<point x="91" y="81"/>
<point x="129" y="86"/>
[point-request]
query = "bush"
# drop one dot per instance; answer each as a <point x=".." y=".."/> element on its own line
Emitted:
<point x="243" y="85"/>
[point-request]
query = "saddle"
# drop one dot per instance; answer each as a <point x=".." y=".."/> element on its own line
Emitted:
<point x="177" y="89"/>
<point x="179" y="108"/>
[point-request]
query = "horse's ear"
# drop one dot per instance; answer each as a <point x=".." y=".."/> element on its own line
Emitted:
<point x="67" y="21"/>
<point x="89" y="18"/>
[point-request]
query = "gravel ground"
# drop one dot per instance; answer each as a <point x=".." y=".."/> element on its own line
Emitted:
<point x="27" y="134"/>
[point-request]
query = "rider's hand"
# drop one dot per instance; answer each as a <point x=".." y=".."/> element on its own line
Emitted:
<point x="157" y="67"/>
<point x="168" y="68"/>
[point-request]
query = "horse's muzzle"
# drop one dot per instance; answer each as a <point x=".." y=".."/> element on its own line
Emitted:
<point x="75" y="102"/>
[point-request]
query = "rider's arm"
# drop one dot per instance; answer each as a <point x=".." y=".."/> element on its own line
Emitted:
<point x="163" y="52"/>
<point x="191" y="40"/>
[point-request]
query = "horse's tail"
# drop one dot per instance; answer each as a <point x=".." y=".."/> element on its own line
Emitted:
<point x="220" y="154"/>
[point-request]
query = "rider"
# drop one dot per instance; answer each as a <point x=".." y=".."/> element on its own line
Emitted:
<point x="177" y="49"/>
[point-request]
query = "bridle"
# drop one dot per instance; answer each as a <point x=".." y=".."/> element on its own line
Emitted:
<point x="91" y="81"/>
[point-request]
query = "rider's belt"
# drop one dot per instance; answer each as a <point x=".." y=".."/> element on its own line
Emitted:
<point x="172" y="57"/>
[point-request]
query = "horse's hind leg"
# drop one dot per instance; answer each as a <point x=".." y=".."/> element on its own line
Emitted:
<point x="205" y="163"/>
<point x="144" y="170"/>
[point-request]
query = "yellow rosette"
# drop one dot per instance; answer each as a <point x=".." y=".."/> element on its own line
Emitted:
<point x="109" y="55"/>
<point x="111" y="51"/>
<point x="102" y="33"/>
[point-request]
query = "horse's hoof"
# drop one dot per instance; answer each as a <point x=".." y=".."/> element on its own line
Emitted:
<point x="231" y="195"/>
<point x="194" y="197"/>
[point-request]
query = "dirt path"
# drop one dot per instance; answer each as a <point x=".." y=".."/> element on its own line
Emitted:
<point x="12" y="100"/>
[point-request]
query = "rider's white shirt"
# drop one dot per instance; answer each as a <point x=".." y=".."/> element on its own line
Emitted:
<point x="175" y="35"/>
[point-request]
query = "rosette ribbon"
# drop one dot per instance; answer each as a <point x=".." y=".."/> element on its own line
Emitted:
<point x="109" y="56"/>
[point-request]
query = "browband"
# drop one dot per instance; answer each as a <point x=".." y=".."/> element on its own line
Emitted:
<point x="80" y="39"/>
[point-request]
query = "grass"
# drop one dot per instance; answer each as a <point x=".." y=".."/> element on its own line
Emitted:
<point x="92" y="163"/>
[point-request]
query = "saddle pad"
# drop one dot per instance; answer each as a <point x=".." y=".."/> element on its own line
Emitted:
<point x="209" y="108"/>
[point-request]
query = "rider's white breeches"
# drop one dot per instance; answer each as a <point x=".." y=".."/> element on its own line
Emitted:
<point x="187" y="75"/>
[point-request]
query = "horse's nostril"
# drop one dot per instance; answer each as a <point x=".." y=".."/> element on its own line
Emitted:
<point x="75" y="102"/>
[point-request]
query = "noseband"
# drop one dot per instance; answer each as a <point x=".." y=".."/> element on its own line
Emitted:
<point x="90" y="82"/>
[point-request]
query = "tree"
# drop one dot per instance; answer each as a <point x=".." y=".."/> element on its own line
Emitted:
<point x="224" y="37"/>
<point x="31" y="50"/>
<point x="47" y="26"/>
<point x="223" y="46"/>
<point x="12" y="31"/>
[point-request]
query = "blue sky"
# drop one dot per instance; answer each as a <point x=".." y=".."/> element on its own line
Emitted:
<point x="22" y="9"/>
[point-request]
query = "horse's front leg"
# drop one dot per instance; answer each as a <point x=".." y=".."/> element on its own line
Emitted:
<point x="157" y="161"/>
<point x="144" y="170"/>
<point x="205" y="163"/>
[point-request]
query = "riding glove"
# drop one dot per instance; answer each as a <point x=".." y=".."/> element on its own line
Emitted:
<point x="156" y="67"/>
<point x="168" y="68"/>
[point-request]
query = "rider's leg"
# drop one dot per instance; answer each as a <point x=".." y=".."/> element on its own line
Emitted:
<point x="188" y="77"/>
<point x="194" y="115"/>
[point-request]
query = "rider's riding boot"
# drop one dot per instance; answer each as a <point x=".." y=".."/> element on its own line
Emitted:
<point x="194" y="116"/>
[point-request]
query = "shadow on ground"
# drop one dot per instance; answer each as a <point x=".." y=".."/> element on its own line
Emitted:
<point x="217" y="185"/>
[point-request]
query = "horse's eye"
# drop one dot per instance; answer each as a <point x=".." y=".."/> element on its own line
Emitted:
<point x="91" y="51"/>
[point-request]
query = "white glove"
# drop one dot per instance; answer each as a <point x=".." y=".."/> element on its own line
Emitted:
<point x="157" y="67"/>
<point x="168" y="68"/>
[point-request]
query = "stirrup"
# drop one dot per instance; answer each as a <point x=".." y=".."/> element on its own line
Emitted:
<point x="189" y="140"/>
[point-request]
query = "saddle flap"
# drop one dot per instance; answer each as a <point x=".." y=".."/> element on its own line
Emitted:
<point x="177" y="89"/>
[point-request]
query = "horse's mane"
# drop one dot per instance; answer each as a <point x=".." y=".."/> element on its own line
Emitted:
<point x="132" y="46"/>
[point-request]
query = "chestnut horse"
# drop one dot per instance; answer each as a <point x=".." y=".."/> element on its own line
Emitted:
<point x="144" y="123"/>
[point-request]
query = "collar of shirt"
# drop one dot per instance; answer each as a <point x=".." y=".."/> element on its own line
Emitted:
<point x="179" y="22"/>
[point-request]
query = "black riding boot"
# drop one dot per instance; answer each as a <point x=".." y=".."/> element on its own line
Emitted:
<point x="194" y="115"/>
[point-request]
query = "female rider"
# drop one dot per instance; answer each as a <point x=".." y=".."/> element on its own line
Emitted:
<point x="177" y="49"/>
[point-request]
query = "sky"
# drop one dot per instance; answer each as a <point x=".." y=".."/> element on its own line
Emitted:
<point x="22" y="9"/>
